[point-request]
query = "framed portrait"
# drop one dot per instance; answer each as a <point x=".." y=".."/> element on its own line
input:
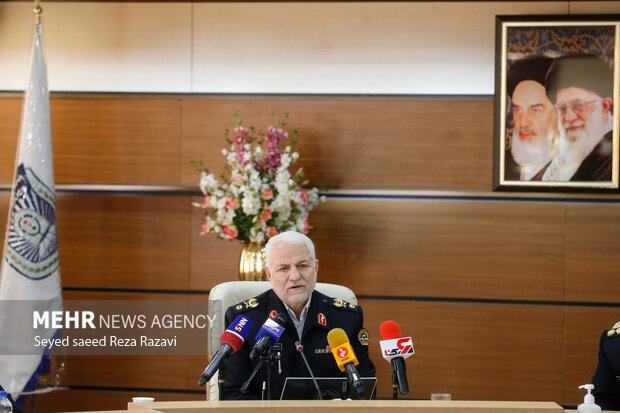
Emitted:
<point x="556" y="85"/>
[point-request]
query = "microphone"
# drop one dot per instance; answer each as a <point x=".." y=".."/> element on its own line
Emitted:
<point x="231" y="341"/>
<point x="345" y="357"/>
<point x="395" y="348"/>
<point x="300" y="348"/>
<point x="268" y="334"/>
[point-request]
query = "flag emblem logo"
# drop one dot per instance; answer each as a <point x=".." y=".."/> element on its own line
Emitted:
<point x="32" y="249"/>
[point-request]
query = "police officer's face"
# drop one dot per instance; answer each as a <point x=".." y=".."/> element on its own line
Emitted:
<point x="292" y="273"/>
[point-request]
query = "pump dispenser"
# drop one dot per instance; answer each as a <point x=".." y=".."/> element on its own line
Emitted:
<point x="588" y="404"/>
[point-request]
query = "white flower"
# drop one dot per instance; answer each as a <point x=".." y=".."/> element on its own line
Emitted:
<point x="208" y="183"/>
<point x="250" y="204"/>
<point x="257" y="234"/>
<point x="285" y="161"/>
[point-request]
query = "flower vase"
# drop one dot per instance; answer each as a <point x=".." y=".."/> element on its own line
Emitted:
<point x="252" y="262"/>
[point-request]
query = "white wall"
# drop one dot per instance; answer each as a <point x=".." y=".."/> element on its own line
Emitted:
<point x="382" y="47"/>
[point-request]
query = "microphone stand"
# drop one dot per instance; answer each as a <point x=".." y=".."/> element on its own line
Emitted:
<point x="394" y="386"/>
<point x="300" y="349"/>
<point x="271" y="357"/>
<point x="244" y="388"/>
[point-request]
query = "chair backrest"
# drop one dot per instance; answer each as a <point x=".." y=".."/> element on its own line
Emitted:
<point x="226" y="294"/>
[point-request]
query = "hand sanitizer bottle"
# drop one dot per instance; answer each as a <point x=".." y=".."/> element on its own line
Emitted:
<point x="588" y="404"/>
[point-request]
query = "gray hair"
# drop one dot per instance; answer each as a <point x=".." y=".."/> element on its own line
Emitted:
<point x="289" y="237"/>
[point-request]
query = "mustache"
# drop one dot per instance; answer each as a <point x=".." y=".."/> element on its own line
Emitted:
<point x="578" y="124"/>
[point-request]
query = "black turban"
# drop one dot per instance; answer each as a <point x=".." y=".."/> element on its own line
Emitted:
<point x="533" y="67"/>
<point x="580" y="70"/>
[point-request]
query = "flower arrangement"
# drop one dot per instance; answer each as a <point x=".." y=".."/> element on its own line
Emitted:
<point x="257" y="197"/>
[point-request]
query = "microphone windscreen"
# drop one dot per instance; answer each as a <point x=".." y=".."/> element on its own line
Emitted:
<point x="236" y="333"/>
<point x="337" y="337"/>
<point x="390" y="330"/>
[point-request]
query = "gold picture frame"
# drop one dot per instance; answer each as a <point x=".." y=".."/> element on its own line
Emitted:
<point x="556" y="82"/>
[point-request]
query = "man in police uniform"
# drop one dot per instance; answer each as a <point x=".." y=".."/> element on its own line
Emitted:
<point x="291" y="267"/>
<point x="606" y="380"/>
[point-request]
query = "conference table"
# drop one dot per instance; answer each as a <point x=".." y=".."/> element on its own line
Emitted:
<point x="352" y="406"/>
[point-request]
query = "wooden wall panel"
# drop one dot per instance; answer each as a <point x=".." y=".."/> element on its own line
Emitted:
<point x="592" y="259"/>
<point x="104" y="140"/>
<point x="583" y="328"/>
<point x="10" y="113"/>
<point x="359" y="141"/>
<point x="473" y="351"/>
<point x="439" y="248"/>
<point x="355" y="142"/>
<point x="124" y="241"/>
<point x="116" y="140"/>
<point x="442" y="248"/>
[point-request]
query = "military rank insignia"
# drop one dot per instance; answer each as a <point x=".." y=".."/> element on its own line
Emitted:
<point x="321" y="319"/>
<point x="251" y="303"/>
<point x="339" y="303"/>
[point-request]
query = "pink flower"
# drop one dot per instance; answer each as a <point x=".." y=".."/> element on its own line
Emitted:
<point x="271" y="231"/>
<point x="306" y="229"/>
<point x="265" y="216"/>
<point x="303" y="196"/>
<point x="237" y="180"/>
<point x="267" y="194"/>
<point x="232" y="203"/>
<point x="205" y="202"/>
<point x="230" y="231"/>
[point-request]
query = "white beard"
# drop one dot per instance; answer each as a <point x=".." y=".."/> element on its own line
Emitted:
<point x="532" y="156"/>
<point x="576" y="146"/>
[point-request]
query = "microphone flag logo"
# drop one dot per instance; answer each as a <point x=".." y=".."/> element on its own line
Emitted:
<point x="398" y="347"/>
<point x="342" y="352"/>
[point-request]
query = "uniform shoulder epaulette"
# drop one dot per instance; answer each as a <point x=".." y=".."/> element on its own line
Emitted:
<point x="247" y="305"/>
<point x="614" y="331"/>
<point x="342" y="304"/>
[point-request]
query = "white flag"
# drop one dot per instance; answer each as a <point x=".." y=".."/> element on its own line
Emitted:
<point x="29" y="270"/>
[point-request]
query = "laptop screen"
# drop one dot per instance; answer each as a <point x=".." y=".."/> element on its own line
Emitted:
<point x="303" y="388"/>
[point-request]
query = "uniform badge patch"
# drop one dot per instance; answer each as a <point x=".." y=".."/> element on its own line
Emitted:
<point x="321" y="319"/>
<point x="339" y="303"/>
<point x="362" y="336"/>
<point x="272" y="314"/>
<point x="326" y="350"/>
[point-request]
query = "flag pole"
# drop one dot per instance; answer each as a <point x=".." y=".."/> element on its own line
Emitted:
<point x="30" y="268"/>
